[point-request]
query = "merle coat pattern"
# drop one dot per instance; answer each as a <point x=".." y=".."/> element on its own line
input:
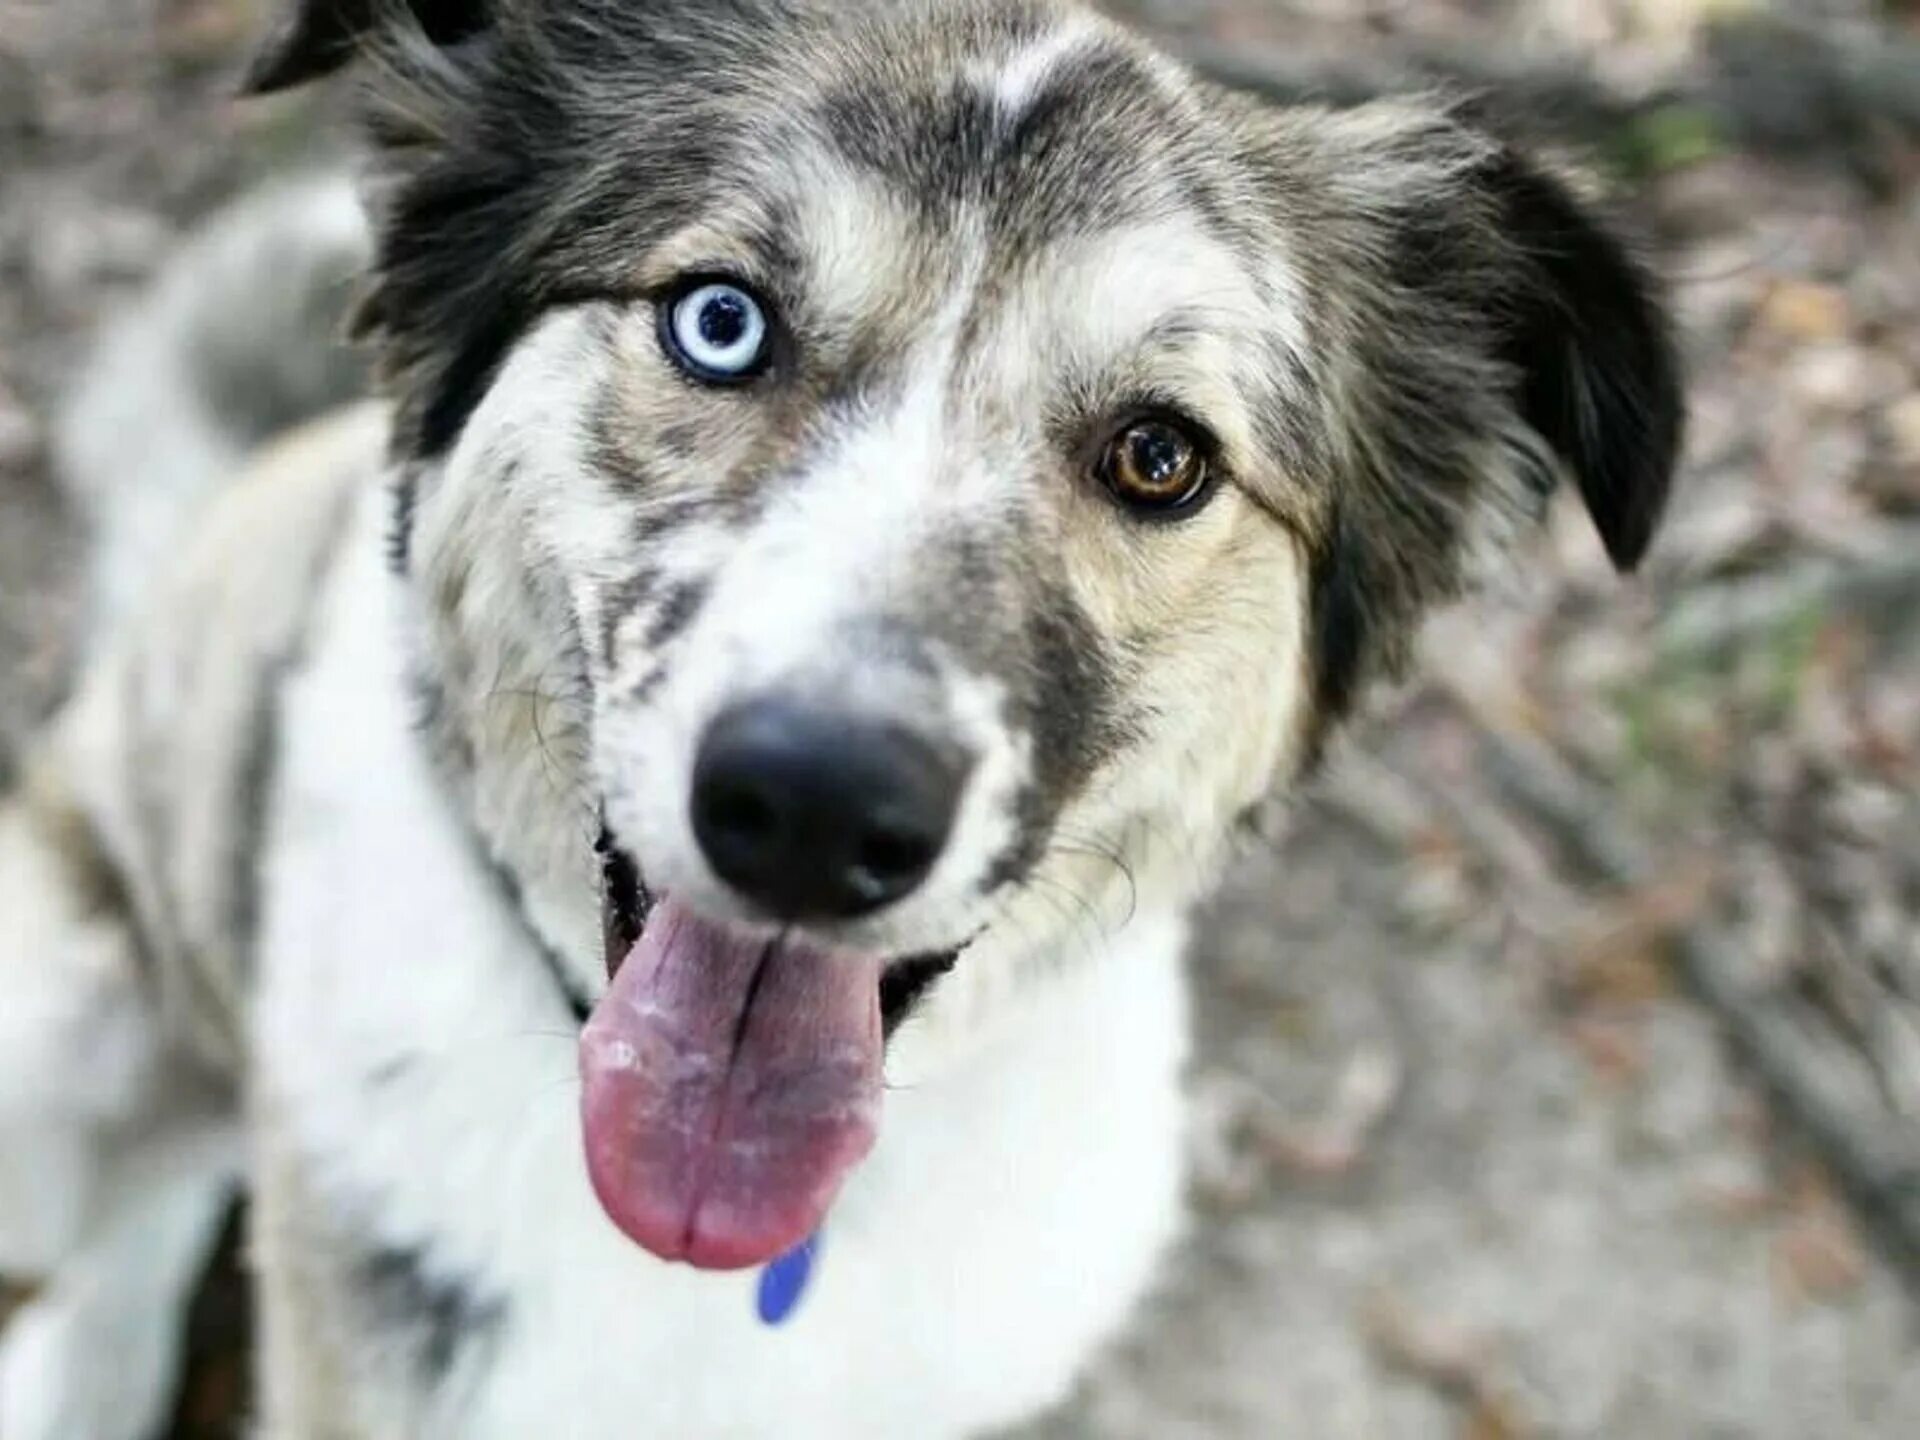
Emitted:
<point x="382" y="767"/>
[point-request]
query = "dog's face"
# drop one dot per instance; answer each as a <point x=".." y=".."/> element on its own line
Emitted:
<point x="915" y="473"/>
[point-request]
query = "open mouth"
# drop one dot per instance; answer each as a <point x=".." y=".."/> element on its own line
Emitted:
<point x="731" y="1082"/>
<point x="625" y="904"/>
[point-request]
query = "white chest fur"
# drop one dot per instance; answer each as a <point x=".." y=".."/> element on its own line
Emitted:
<point x="414" y="1044"/>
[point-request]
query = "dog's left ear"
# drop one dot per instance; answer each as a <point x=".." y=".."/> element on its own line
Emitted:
<point x="316" y="37"/>
<point x="1587" y="335"/>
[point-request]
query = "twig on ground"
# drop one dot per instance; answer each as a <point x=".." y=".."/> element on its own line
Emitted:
<point x="1872" y="1153"/>
<point x="1711" y="619"/>
<point x="1458" y="1363"/>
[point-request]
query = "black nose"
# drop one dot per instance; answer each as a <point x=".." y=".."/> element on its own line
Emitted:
<point x="813" y="814"/>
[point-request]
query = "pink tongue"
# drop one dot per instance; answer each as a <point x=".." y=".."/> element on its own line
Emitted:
<point x="730" y="1085"/>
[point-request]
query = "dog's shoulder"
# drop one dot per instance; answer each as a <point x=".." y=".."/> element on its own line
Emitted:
<point x="170" y="741"/>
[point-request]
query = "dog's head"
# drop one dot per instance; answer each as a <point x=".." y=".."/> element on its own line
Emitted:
<point x="905" y="477"/>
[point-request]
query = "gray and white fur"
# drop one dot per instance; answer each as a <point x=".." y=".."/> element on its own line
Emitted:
<point x="315" y="869"/>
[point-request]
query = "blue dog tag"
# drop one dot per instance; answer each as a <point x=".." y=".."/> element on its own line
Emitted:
<point x="784" y="1281"/>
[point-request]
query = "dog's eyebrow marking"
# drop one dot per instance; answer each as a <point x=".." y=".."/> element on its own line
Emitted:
<point x="753" y="253"/>
<point x="1119" y="286"/>
<point x="858" y="241"/>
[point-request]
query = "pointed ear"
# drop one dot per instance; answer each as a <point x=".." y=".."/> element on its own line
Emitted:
<point x="316" y="37"/>
<point x="1588" y="337"/>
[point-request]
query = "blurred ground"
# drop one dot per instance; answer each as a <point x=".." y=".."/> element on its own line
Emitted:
<point x="1474" y="1159"/>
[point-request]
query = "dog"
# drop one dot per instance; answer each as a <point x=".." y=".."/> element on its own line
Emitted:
<point x="656" y="848"/>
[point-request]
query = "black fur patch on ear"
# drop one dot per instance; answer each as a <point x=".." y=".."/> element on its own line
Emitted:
<point x="1600" y="380"/>
<point x="1501" y="340"/>
<point x="317" y="37"/>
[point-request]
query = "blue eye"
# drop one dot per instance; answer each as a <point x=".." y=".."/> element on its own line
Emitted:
<point x="717" y="332"/>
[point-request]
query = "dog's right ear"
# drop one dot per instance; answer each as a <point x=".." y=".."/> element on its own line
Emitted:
<point x="317" y="37"/>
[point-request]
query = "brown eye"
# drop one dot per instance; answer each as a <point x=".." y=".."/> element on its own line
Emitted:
<point x="1154" y="465"/>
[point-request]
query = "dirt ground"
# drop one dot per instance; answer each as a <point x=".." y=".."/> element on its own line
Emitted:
<point x="1474" y="1158"/>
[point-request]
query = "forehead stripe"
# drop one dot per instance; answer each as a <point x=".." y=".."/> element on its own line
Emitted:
<point x="1020" y="80"/>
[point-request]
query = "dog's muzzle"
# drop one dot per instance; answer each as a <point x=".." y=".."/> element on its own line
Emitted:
<point x="731" y="1079"/>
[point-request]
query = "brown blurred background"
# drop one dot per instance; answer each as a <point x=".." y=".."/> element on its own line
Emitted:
<point x="1560" y="1067"/>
